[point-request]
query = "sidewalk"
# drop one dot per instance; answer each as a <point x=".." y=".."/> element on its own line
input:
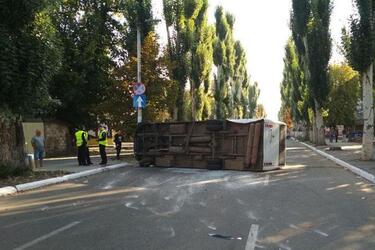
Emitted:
<point x="350" y="153"/>
<point x="70" y="164"/>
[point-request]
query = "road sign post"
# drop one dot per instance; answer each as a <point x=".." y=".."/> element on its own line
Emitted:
<point x="139" y="46"/>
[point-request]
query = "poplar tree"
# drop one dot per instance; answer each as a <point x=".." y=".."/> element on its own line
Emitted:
<point x="201" y="53"/>
<point x="359" y="47"/>
<point x="310" y="28"/>
<point x="224" y="60"/>
<point x="178" y="48"/>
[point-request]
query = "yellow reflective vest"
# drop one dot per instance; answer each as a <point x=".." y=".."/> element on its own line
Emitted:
<point x="79" y="139"/>
<point x="101" y="141"/>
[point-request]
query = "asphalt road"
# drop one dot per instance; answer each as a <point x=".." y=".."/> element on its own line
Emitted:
<point x="311" y="204"/>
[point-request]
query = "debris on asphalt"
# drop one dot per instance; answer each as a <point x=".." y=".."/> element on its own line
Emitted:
<point x="44" y="208"/>
<point x="219" y="236"/>
<point x="321" y="233"/>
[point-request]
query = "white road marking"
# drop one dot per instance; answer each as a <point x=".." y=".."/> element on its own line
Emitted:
<point x="131" y="205"/>
<point x="321" y="233"/>
<point x="252" y="238"/>
<point x="284" y="247"/>
<point x="267" y="180"/>
<point x="44" y="237"/>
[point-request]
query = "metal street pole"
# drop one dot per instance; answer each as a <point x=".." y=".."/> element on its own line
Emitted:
<point x="139" y="47"/>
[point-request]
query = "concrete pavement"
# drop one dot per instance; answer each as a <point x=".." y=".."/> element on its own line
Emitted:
<point x="311" y="204"/>
<point x="70" y="164"/>
<point x="351" y="153"/>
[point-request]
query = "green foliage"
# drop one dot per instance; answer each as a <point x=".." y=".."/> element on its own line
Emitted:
<point x="137" y="13"/>
<point x="359" y="41"/>
<point x="344" y="95"/>
<point x="300" y="17"/>
<point x="8" y="171"/>
<point x="179" y="39"/>
<point x="29" y="57"/>
<point x="91" y="36"/>
<point x="319" y="50"/>
<point x="306" y="82"/>
<point x="117" y="110"/>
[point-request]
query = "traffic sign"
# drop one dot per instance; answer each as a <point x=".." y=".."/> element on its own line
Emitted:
<point x="139" y="101"/>
<point x="139" y="88"/>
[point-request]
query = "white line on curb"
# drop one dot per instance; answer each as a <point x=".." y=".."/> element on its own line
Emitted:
<point x="252" y="238"/>
<point x="37" y="184"/>
<point x="44" y="237"/>
<point x="344" y="164"/>
<point x="7" y="191"/>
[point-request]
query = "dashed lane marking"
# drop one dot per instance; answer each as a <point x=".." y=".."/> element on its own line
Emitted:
<point x="46" y="236"/>
<point x="252" y="238"/>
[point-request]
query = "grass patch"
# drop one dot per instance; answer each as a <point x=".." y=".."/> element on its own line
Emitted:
<point x="10" y="176"/>
<point x="9" y="172"/>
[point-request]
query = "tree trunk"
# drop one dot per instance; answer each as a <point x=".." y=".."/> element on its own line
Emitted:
<point x="180" y="103"/>
<point x="319" y="126"/>
<point x="193" y="101"/>
<point x="313" y="131"/>
<point x="368" y="115"/>
<point x="12" y="142"/>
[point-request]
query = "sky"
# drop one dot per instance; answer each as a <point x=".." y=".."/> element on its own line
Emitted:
<point x="262" y="26"/>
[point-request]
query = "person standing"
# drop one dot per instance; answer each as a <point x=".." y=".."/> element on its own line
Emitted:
<point x="103" y="142"/>
<point x="38" y="145"/>
<point x="80" y="139"/>
<point x="118" y="144"/>
<point x="87" y="151"/>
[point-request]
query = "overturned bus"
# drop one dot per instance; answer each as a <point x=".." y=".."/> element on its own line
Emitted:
<point x="255" y="145"/>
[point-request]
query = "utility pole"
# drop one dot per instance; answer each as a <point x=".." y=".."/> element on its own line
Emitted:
<point x="139" y="69"/>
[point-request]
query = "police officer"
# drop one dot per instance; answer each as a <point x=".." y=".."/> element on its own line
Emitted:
<point x="103" y="142"/>
<point x="87" y="152"/>
<point x="80" y="143"/>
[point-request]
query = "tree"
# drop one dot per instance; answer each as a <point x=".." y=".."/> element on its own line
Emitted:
<point x="343" y="96"/>
<point x="359" y="47"/>
<point x="200" y="53"/>
<point x="250" y="96"/>
<point x="29" y="57"/>
<point x="138" y="13"/>
<point x="260" y="112"/>
<point x="178" y="47"/>
<point x="91" y="35"/>
<point x="224" y="60"/>
<point x="118" y="110"/>
<point x="310" y="28"/>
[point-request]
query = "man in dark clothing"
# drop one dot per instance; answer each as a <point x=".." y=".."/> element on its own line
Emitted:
<point x="103" y="142"/>
<point x="118" y="144"/>
<point x="87" y="152"/>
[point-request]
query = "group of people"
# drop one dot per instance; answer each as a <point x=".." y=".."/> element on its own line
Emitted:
<point x="81" y="141"/>
<point x="82" y="138"/>
<point x="333" y="134"/>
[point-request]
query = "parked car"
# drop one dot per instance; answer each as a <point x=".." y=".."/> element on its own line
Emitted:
<point x="355" y="136"/>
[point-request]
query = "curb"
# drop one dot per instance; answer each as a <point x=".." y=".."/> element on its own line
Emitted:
<point x="42" y="183"/>
<point x="342" y="163"/>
